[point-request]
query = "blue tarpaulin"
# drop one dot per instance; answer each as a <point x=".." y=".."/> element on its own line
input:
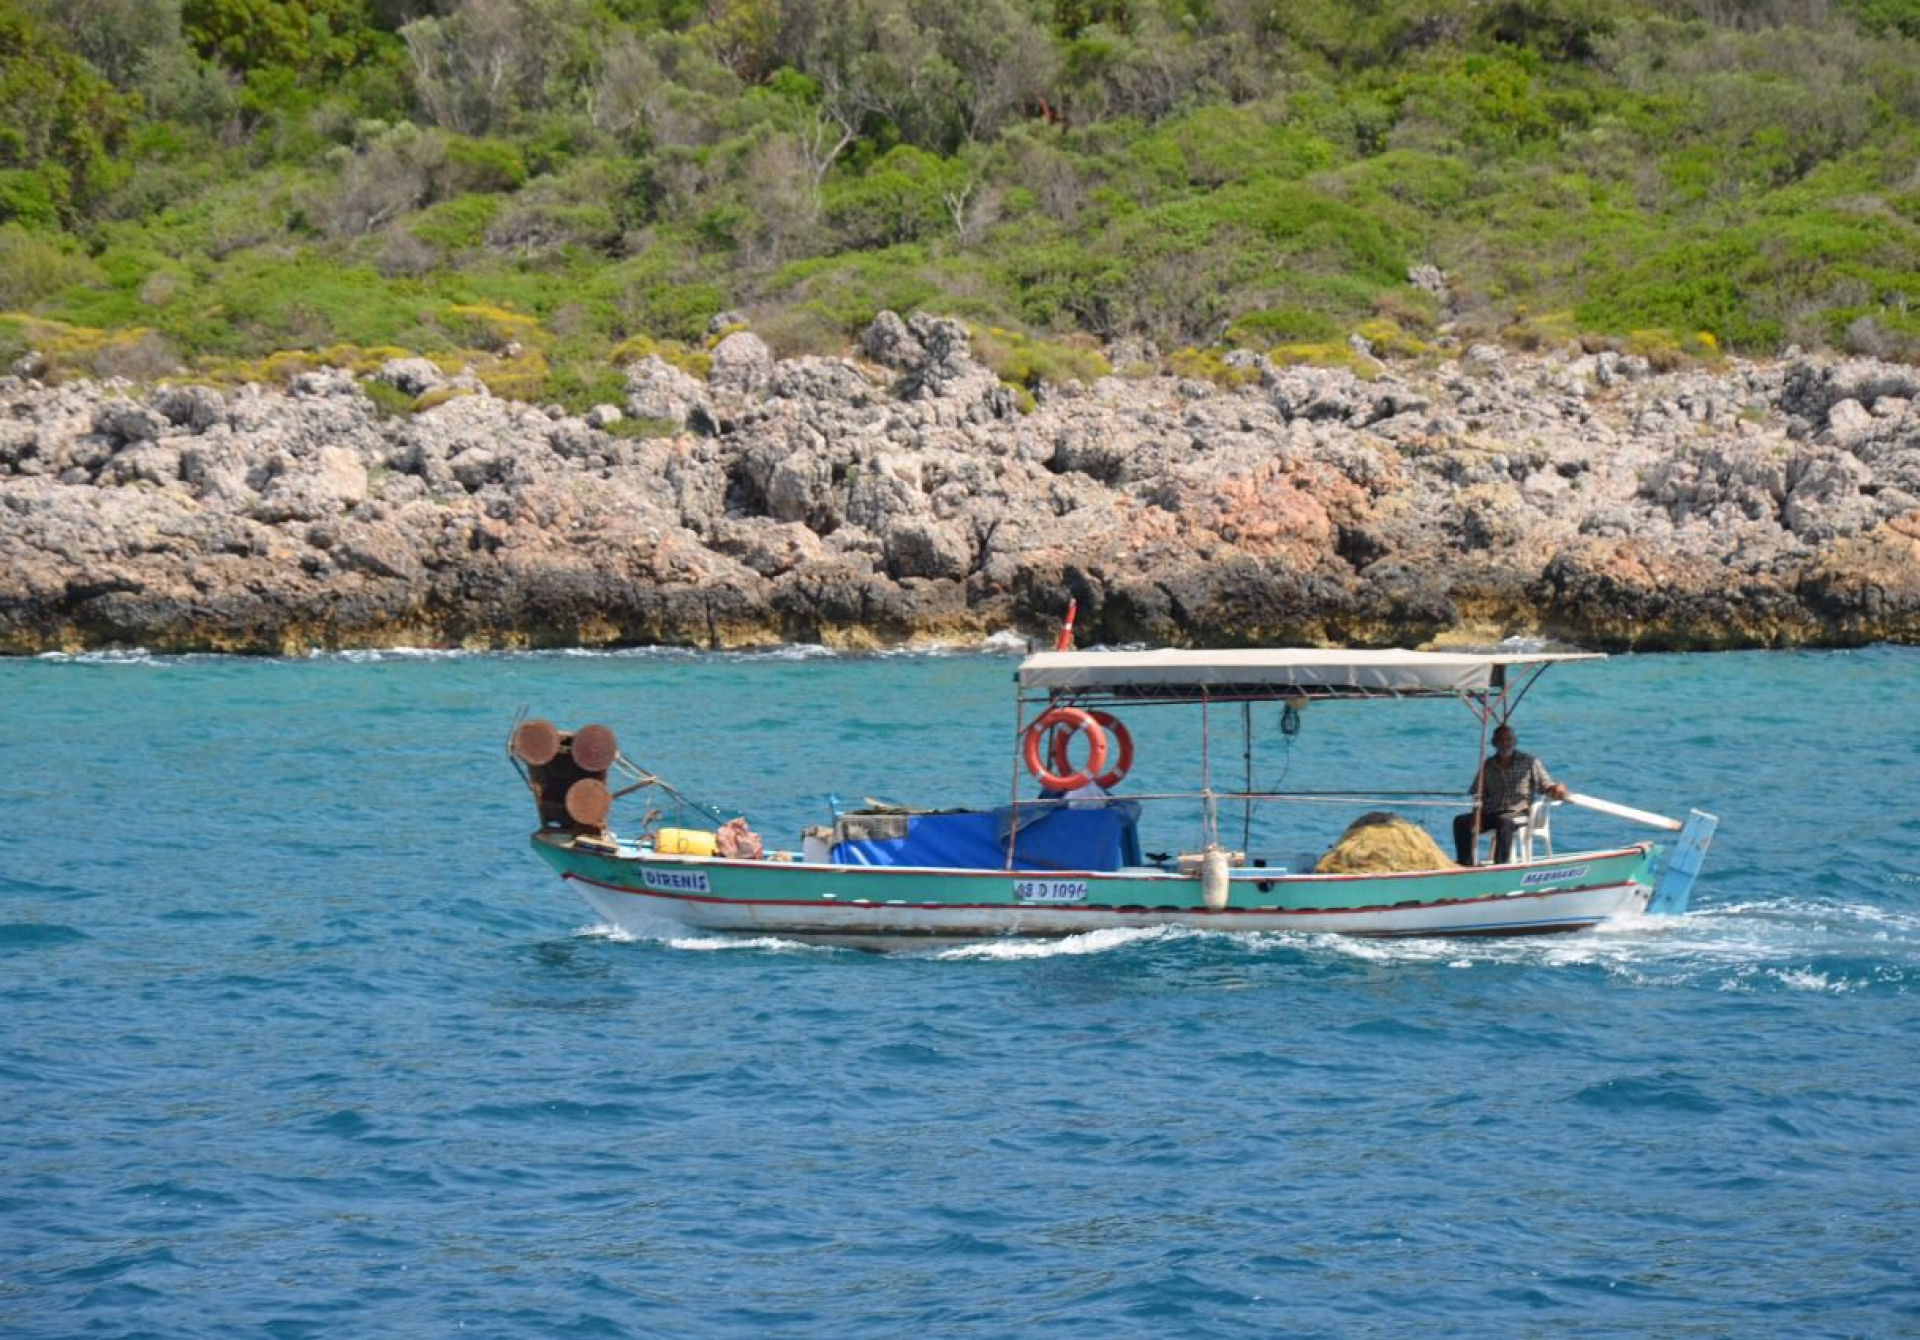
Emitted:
<point x="1054" y="838"/>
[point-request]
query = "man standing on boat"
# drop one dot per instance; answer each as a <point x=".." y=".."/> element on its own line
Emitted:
<point x="1506" y="787"/>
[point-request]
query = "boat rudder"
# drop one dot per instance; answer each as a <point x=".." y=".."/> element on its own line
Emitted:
<point x="1674" y="886"/>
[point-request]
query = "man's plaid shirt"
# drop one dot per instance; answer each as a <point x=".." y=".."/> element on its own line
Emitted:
<point x="1509" y="788"/>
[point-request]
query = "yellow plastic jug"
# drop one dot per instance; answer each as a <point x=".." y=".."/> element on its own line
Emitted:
<point x="684" y="842"/>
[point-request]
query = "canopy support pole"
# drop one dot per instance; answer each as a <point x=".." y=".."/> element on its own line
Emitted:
<point x="1480" y="783"/>
<point x="1013" y="798"/>
<point x="1246" y="807"/>
<point x="1210" y="807"/>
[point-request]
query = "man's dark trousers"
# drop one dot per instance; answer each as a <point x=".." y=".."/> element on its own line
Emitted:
<point x="1502" y="826"/>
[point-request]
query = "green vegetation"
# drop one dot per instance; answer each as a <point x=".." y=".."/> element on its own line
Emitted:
<point x="540" y="188"/>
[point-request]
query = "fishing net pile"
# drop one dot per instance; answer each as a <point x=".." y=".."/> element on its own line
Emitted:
<point x="1382" y="842"/>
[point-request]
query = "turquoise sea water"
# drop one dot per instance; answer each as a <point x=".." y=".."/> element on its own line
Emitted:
<point x="297" y="1038"/>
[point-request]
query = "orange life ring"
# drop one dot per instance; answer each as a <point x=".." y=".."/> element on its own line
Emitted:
<point x="1111" y="724"/>
<point x="1076" y="720"/>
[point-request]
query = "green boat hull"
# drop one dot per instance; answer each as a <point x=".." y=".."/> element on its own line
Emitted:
<point x="644" y="892"/>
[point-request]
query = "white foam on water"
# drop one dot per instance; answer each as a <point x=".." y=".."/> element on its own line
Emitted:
<point x="771" y="943"/>
<point x="788" y="651"/>
<point x="123" y="656"/>
<point x="1805" y="979"/>
<point x="675" y="937"/>
<point x="1087" y="942"/>
<point x="1374" y="949"/>
<point x="1758" y="945"/>
<point x="1782" y="911"/>
<point x="1004" y="643"/>
<point x="375" y="655"/>
<point x="606" y="930"/>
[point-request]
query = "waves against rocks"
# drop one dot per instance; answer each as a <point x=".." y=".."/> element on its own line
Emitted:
<point x="901" y="494"/>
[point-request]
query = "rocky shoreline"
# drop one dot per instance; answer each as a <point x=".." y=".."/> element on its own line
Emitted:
<point x="903" y="494"/>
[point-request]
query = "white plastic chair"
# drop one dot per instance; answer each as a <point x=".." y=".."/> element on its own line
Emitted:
<point x="1538" y="827"/>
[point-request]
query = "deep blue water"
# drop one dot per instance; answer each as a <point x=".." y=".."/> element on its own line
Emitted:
<point x="297" y="1038"/>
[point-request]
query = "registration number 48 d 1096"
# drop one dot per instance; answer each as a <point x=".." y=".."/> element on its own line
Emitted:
<point x="1050" y="890"/>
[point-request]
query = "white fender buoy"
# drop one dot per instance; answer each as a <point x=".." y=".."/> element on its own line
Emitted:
<point x="1213" y="879"/>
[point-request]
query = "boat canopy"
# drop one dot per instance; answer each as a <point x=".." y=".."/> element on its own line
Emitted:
<point x="1279" y="672"/>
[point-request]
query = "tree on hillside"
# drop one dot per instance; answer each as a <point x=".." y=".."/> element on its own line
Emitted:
<point x="306" y="35"/>
<point x="486" y="59"/>
<point x="117" y="37"/>
<point x="59" y="124"/>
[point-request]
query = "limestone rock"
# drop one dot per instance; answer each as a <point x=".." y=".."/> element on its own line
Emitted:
<point x="742" y="363"/>
<point x="1571" y="495"/>
<point x="1849" y="422"/>
<point x="332" y="481"/>
<point x="1825" y="500"/>
<point x="827" y="381"/>
<point x="658" y="390"/>
<point x="889" y="343"/>
<point x="123" y="421"/>
<point x="323" y="383"/>
<point x="411" y="376"/>
<point x="922" y="547"/>
<point x="194" y="408"/>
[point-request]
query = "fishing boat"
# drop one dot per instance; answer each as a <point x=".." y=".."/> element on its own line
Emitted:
<point x="1063" y="855"/>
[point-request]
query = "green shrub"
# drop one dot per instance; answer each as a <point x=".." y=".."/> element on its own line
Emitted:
<point x="847" y="291"/>
<point x="1023" y="361"/>
<point x="1409" y="308"/>
<point x="695" y="363"/>
<point x="1882" y="16"/>
<point x="1213" y="146"/>
<point x="1388" y="340"/>
<point x="33" y="196"/>
<point x="434" y="398"/>
<point x="480" y="165"/>
<point x="1542" y="330"/>
<point x="1281" y="325"/>
<point x="482" y="325"/>
<point x="1492" y="103"/>
<point x="456" y="224"/>
<point x="1329" y="354"/>
<point x="13" y="344"/>
<point x="1210" y="365"/>
<point x="1659" y="347"/>
<point x="1750" y="285"/>
<point x="581" y="382"/>
<point x="900" y="198"/>
<point x="33" y="266"/>
<point x="1427" y="183"/>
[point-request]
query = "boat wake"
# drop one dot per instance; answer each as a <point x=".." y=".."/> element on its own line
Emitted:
<point x="1759" y="946"/>
<point x="1089" y="942"/>
<point x="676" y="937"/>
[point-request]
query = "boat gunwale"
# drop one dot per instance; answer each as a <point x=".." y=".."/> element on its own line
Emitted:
<point x="1122" y="909"/>
<point x="1241" y="874"/>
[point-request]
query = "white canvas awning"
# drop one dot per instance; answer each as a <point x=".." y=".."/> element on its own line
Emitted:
<point x="1274" y="672"/>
